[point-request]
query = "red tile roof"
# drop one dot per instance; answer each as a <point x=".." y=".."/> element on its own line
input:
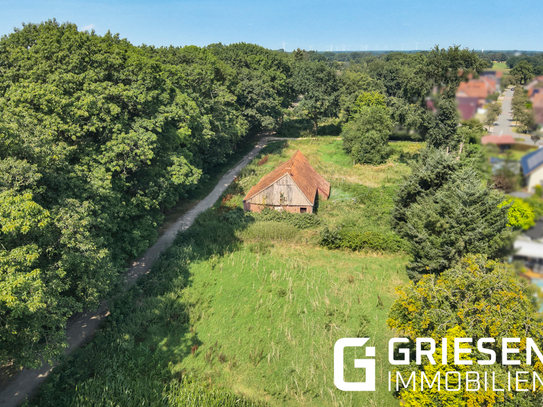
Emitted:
<point x="473" y="89"/>
<point x="537" y="104"/>
<point x="303" y="174"/>
<point x="498" y="140"/>
<point x="491" y="83"/>
<point x="467" y="106"/>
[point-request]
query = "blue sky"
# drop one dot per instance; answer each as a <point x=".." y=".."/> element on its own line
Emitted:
<point x="319" y="25"/>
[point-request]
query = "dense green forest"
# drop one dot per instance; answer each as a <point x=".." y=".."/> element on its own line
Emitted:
<point x="98" y="138"/>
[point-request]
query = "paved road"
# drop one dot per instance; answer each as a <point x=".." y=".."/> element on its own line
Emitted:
<point x="505" y="122"/>
<point x="82" y="327"/>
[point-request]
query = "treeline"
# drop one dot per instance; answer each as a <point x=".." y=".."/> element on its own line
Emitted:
<point x="360" y="56"/>
<point x="535" y="62"/>
<point x="97" y="138"/>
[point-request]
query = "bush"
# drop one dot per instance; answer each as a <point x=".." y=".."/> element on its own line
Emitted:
<point x="494" y="96"/>
<point x="236" y="217"/>
<point x="537" y="206"/>
<point x="478" y="298"/>
<point x="294" y="127"/>
<point x="344" y="238"/>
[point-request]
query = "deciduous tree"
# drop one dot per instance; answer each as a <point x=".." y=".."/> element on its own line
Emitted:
<point x="319" y="86"/>
<point x="492" y="114"/>
<point x="477" y="298"/>
<point x="365" y="137"/>
<point x="523" y="70"/>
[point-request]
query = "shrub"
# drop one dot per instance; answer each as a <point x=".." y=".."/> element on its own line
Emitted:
<point x="494" y="96"/>
<point x="537" y="206"/>
<point x="478" y="298"/>
<point x="520" y="214"/>
<point x="344" y="238"/>
<point x="236" y="217"/>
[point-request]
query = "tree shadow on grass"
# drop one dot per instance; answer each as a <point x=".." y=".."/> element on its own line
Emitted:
<point x="149" y="331"/>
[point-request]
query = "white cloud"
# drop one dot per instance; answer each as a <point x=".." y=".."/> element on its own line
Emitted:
<point x="88" y="27"/>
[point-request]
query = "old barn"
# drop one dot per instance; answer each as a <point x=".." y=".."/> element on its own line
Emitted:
<point x="294" y="186"/>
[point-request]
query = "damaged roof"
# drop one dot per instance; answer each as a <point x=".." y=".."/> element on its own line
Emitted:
<point x="303" y="174"/>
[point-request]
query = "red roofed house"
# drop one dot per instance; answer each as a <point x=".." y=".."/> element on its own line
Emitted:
<point x="534" y="83"/>
<point x="491" y="83"/>
<point x="479" y="89"/>
<point x="294" y="186"/>
<point x="537" y="105"/>
<point x="504" y="142"/>
<point x="467" y="107"/>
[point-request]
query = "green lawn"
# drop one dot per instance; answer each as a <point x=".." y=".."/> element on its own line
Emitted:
<point x="251" y="310"/>
<point x="500" y="66"/>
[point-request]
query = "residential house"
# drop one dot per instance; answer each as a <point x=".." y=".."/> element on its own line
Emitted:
<point x="537" y="106"/>
<point x="495" y="75"/>
<point x="503" y="142"/>
<point x="467" y="107"/>
<point x="475" y="91"/>
<point x="532" y="168"/>
<point x="478" y="89"/>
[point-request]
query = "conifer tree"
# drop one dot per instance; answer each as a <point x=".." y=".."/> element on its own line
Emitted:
<point x="464" y="216"/>
<point x="429" y="173"/>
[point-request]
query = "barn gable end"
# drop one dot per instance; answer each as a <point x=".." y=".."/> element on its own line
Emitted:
<point x="280" y="192"/>
<point x="293" y="186"/>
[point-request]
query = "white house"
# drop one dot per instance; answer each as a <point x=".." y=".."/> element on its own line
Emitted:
<point x="532" y="168"/>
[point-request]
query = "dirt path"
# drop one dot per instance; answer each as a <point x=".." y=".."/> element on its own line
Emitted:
<point x="82" y="327"/>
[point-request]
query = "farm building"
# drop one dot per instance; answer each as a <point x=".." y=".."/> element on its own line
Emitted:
<point x="294" y="186"/>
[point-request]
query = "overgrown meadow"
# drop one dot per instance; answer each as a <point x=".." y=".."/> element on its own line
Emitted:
<point x="245" y="309"/>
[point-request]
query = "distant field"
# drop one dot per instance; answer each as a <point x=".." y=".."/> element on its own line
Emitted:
<point x="500" y="66"/>
<point x="252" y="309"/>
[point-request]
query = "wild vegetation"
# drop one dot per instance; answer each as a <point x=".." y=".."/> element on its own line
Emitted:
<point x="232" y="303"/>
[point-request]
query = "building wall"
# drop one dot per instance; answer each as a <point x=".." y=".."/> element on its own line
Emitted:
<point x="535" y="178"/>
<point x="282" y="192"/>
<point x="247" y="206"/>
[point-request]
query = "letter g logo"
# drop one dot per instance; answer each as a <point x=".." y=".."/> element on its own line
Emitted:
<point x="368" y="364"/>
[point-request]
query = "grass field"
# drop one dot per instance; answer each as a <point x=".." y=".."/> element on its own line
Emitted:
<point x="248" y="313"/>
<point x="500" y="66"/>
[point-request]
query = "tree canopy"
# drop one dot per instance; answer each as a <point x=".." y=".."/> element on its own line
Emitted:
<point x="477" y="298"/>
<point x="365" y="137"/>
<point x="446" y="211"/>
<point x="318" y="85"/>
<point x="98" y="138"/>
